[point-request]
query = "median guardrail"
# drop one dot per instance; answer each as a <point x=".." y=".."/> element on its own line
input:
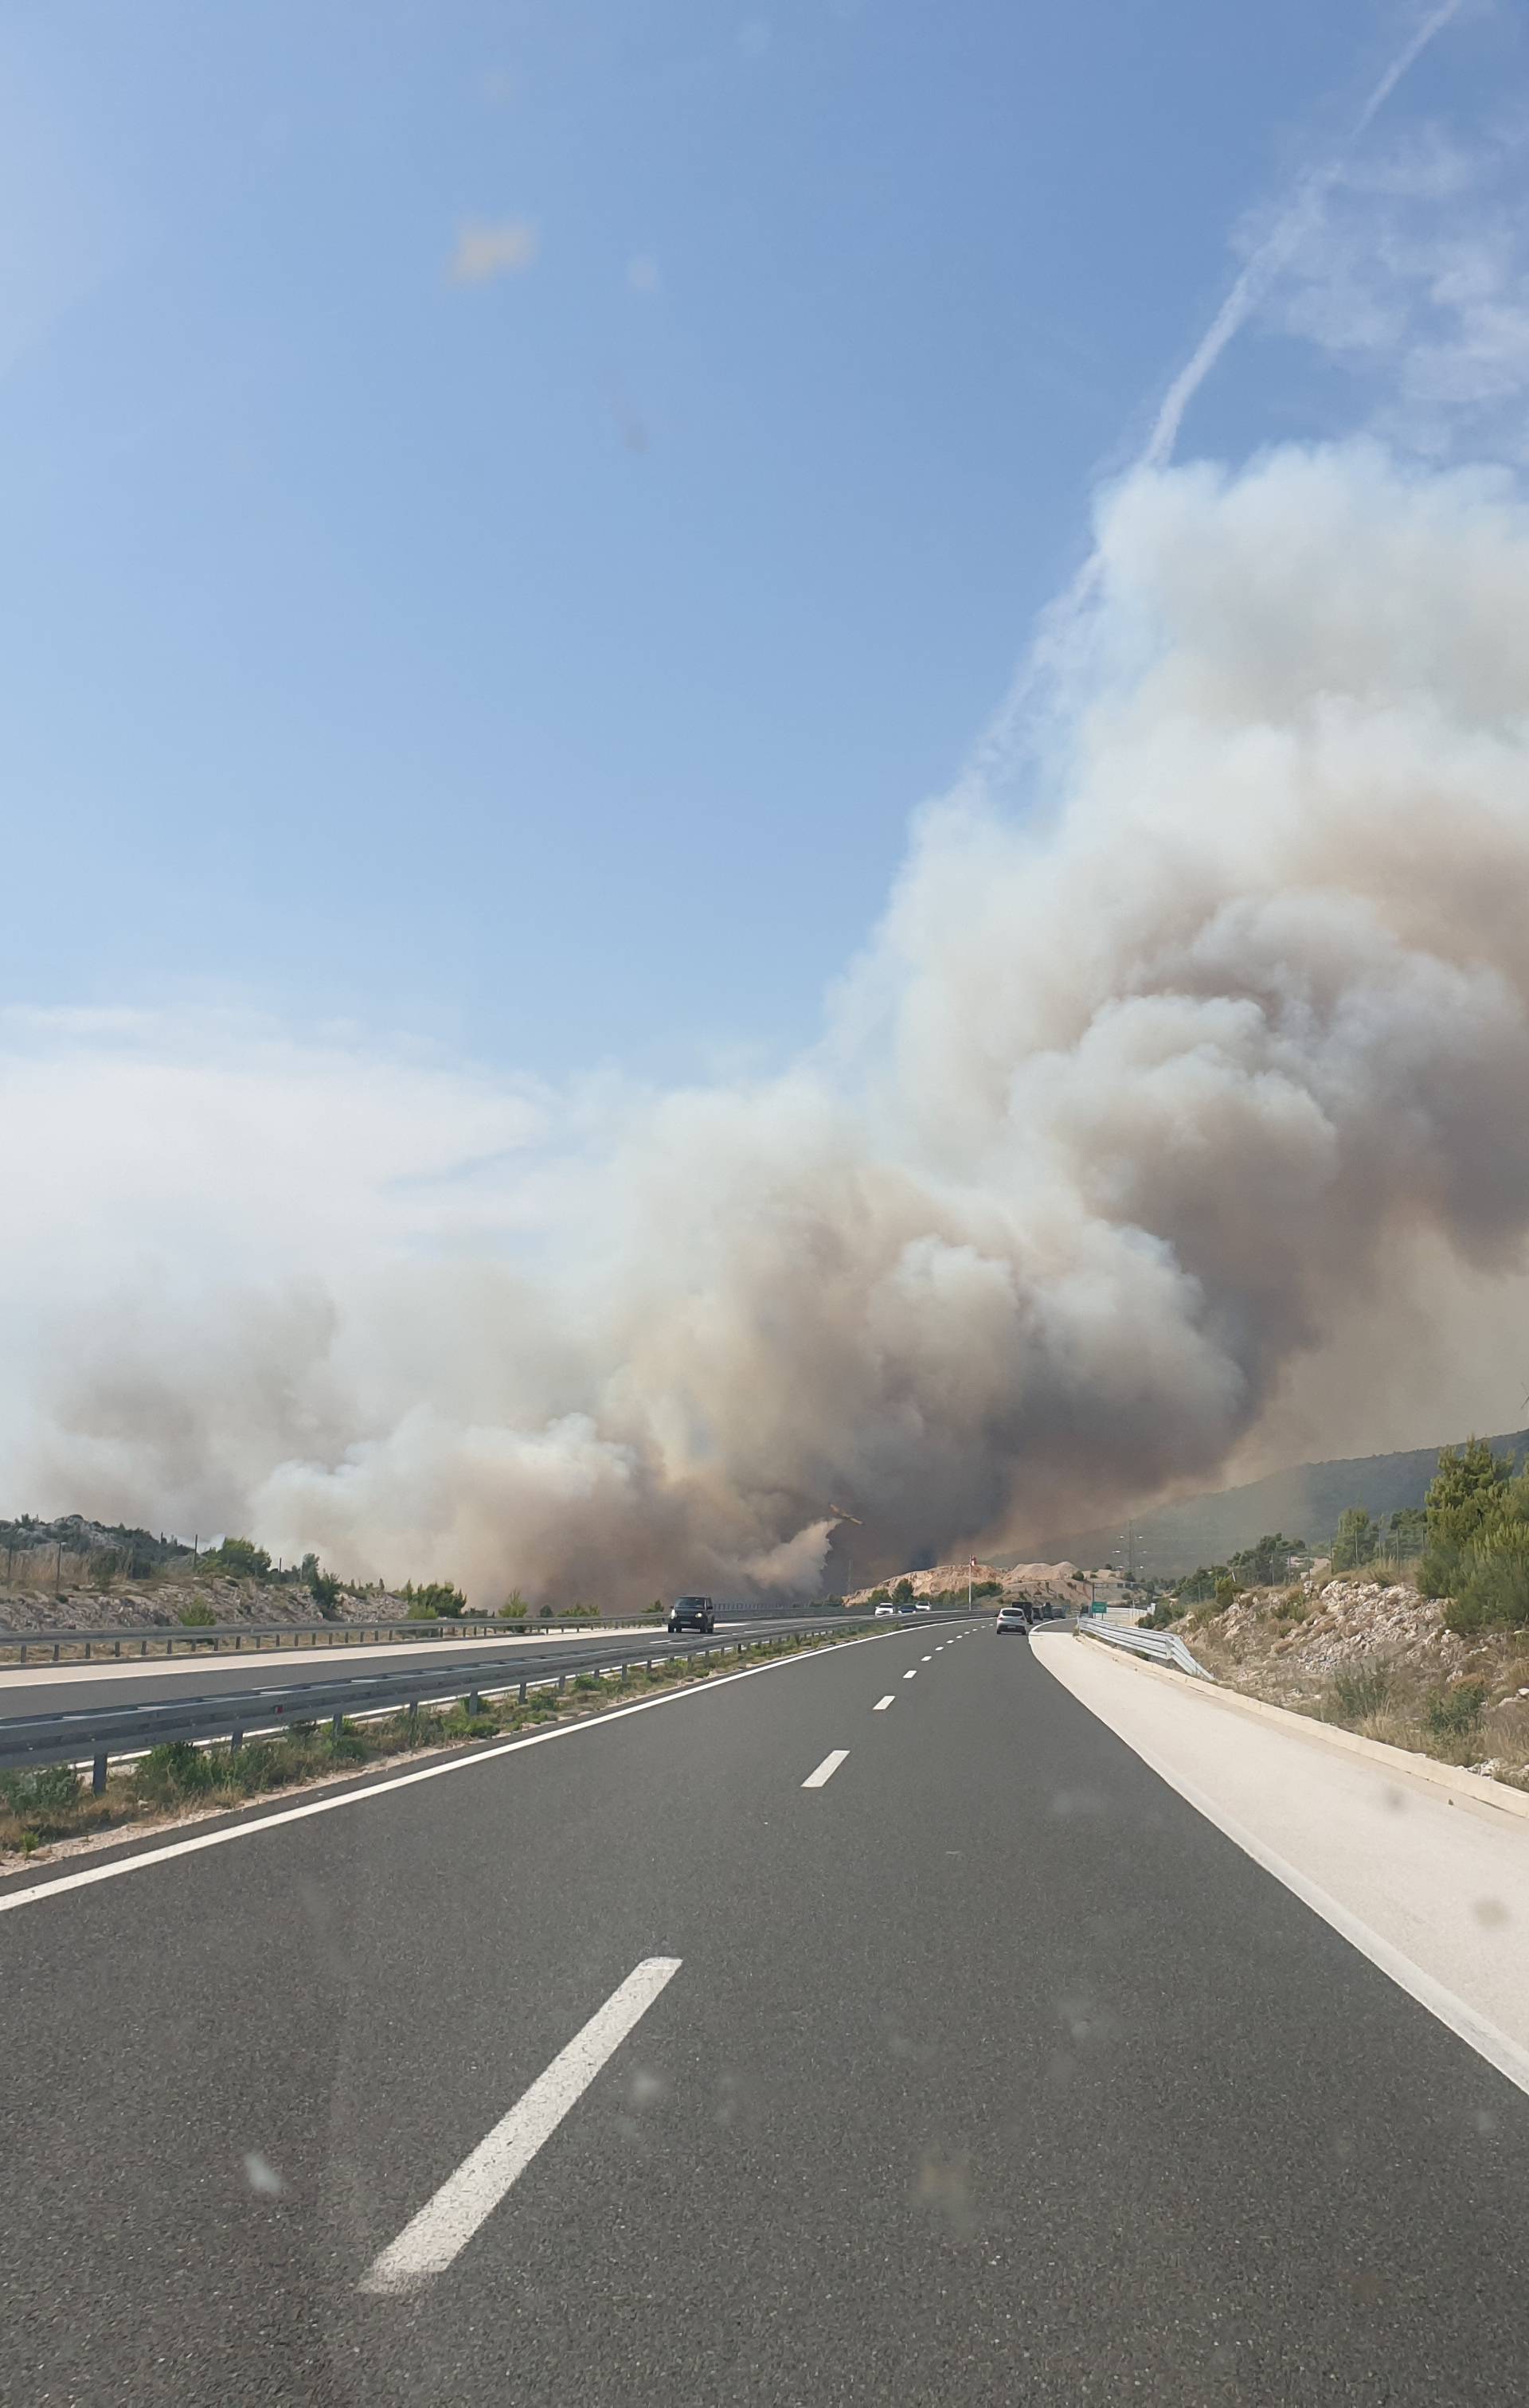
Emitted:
<point x="1159" y="1646"/>
<point x="94" y="1735"/>
<point x="232" y="1638"/>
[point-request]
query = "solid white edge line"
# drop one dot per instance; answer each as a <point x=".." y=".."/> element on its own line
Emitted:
<point x="444" y="2226"/>
<point x="385" y="1788"/>
<point x="1463" y="2020"/>
<point x="826" y="1769"/>
<point x="880" y="1706"/>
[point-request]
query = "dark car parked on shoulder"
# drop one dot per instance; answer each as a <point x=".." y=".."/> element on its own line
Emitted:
<point x="693" y="1613"/>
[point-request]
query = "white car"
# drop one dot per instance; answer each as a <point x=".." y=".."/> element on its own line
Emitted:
<point x="885" y="1614"/>
<point x="923" y="1606"/>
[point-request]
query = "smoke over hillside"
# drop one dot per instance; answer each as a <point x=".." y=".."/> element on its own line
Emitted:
<point x="1225" y="1031"/>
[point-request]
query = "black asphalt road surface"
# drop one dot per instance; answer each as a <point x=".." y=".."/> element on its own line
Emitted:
<point x="992" y="2073"/>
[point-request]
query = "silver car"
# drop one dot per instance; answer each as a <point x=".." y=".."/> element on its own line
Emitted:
<point x="1011" y="1617"/>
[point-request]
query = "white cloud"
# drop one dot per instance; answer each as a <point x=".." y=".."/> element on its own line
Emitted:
<point x="1415" y="279"/>
<point x="485" y="250"/>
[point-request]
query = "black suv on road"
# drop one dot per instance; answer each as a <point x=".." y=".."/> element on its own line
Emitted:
<point x="693" y="1613"/>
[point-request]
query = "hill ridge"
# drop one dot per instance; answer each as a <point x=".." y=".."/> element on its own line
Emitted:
<point x="1304" y="1501"/>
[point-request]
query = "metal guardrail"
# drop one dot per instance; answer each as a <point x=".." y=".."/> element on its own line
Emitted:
<point x="94" y="1735"/>
<point x="44" y="1646"/>
<point x="1160" y="1646"/>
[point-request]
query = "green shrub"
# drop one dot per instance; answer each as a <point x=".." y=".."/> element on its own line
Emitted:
<point x="259" y="1763"/>
<point x="460" y="1724"/>
<point x="1467" y="1495"/>
<point x="40" y="1789"/>
<point x="1226" y="1589"/>
<point x="198" y="1616"/>
<point x="902" y="1594"/>
<point x="1441" y="1571"/>
<point x="1292" y="1606"/>
<point x="514" y="1608"/>
<point x="433" y="1601"/>
<point x="1495" y="1588"/>
<point x="240" y="1556"/>
<point x="1356" y="1694"/>
<point x="173" y="1770"/>
<point x="1456" y="1712"/>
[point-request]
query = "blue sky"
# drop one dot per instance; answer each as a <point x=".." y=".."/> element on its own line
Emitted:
<point x="546" y="663"/>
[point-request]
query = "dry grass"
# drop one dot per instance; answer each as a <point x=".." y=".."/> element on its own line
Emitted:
<point x="1375" y="1658"/>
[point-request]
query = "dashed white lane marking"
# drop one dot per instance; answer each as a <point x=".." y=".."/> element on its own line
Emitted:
<point x="911" y="1676"/>
<point x="444" y="2225"/>
<point x="926" y="1659"/>
<point x="826" y="1769"/>
<point x="880" y="1706"/>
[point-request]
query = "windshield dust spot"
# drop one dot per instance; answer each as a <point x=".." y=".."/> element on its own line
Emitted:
<point x="944" y="2187"/>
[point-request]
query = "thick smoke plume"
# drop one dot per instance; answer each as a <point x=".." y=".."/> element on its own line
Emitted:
<point x="1215" y="1036"/>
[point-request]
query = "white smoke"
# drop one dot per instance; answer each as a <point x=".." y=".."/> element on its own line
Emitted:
<point x="1139" y="1093"/>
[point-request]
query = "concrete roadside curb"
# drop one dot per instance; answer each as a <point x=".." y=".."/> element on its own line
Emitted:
<point x="1461" y="1788"/>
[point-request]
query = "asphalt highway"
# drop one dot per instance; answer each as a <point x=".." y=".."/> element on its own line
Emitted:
<point x="873" y="2027"/>
<point x="76" y="1689"/>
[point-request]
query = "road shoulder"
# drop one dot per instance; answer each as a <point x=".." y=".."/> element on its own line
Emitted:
<point x="1446" y="1890"/>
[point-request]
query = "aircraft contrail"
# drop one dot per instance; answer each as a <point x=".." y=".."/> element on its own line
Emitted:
<point x="997" y="745"/>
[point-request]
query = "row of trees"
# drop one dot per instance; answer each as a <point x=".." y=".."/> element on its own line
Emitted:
<point x="1469" y="1539"/>
<point x="1260" y="1566"/>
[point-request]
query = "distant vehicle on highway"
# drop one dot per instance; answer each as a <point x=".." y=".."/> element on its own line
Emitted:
<point x="908" y="1609"/>
<point x="693" y="1613"/>
<point x="1011" y="1617"/>
<point x="885" y="1614"/>
<point x="921" y="1605"/>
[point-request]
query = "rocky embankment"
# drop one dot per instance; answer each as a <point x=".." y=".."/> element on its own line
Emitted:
<point x="162" y="1604"/>
<point x="1379" y="1659"/>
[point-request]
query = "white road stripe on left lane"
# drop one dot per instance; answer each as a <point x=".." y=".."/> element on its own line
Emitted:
<point x="444" y="2225"/>
<point x="826" y="1769"/>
